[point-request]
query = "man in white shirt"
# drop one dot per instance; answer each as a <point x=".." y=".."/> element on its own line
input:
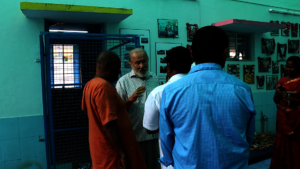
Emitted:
<point x="178" y="65"/>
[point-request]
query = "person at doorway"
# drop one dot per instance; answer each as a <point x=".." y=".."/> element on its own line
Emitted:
<point x="178" y="65"/>
<point x="286" y="152"/>
<point x="134" y="88"/>
<point x="112" y="140"/>
<point x="207" y="118"/>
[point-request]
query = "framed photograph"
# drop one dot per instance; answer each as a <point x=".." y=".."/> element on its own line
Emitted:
<point x="264" y="64"/>
<point x="167" y="28"/>
<point x="161" y="52"/>
<point x="249" y="74"/>
<point x="268" y="46"/>
<point x="275" y="67"/>
<point x="281" y="52"/>
<point x="271" y="82"/>
<point x="260" y="82"/>
<point x="295" y="28"/>
<point x="274" y="33"/>
<point x="282" y="70"/>
<point x="191" y="30"/>
<point x="293" y="46"/>
<point x="286" y="31"/>
<point x="234" y="69"/>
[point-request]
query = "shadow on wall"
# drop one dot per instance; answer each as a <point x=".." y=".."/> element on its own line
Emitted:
<point x="29" y="164"/>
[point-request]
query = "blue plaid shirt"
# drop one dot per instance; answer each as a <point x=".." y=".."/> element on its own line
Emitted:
<point x="207" y="120"/>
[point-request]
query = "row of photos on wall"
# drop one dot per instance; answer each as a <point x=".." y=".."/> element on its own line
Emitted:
<point x="167" y="28"/>
<point x="265" y="64"/>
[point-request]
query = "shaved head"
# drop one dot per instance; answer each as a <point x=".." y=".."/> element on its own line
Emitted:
<point x="107" y="57"/>
<point x="108" y="66"/>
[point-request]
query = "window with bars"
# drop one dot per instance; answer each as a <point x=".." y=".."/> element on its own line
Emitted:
<point x="239" y="47"/>
<point x="65" y="67"/>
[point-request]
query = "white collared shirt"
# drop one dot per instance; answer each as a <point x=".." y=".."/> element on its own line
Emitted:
<point x="152" y="107"/>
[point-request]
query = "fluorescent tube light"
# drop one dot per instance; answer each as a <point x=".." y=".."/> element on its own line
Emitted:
<point x="69" y="31"/>
<point x="284" y="12"/>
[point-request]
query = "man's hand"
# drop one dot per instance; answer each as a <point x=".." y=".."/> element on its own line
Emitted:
<point x="137" y="93"/>
<point x="125" y="163"/>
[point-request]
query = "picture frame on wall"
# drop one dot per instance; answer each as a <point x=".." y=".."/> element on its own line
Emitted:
<point x="271" y="82"/>
<point x="234" y="69"/>
<point x="293" y="46"/>
<point x="281" y="52"/>
<point x="268" y="46"/>
<point x="276" y="32"/>
<point x="167" y="28"/>
<point x="249" y="74"/>
<point x="264" y="64"/>
<point x="286" y="31"/>
<point x="295" y="29"/>
<point x="191" y="30"/>
<point x="275" y="67"/>
<point x="260" y="82"/>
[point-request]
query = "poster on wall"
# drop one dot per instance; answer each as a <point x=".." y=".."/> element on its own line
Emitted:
<point x="286" y="31"/>
<point x="260" y="82"/>
<point x="249" y="74"/>
<point x="144" y="43"/>
<point x="293" y="46"/>
<point x="281" y="52"/>
<point x="268" y="46"/>
<point x="282" y="70"/>
<point x="275" y="67"/>
<point x="295" y="29"/>
<point x="161" y="64"/>
<point x="234" y="69"/>
<point x="264" y="64"/>
<point x="167" y="28"/>
<point x="276" y="32"/>
<point x="271" y="82"/>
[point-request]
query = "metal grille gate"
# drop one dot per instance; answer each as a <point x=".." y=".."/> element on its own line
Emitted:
<point x="68" y="62"/>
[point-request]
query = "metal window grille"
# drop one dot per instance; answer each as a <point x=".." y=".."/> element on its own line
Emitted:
<point x="68" y="63"/>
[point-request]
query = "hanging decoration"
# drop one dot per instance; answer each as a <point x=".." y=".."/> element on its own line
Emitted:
<point x="271" y="81"/>
<point x="276" y="32"/>
<point x="268" y="46"/>
<point x="234" y="69"/>
<point x="281" y="52"/>
<point x="275" y="67"/>
<point x="295" y="29"/>
<point x="264" y="64"/>
<point x="167" y="28"/>
<point x="286" y="31"/>
<point x="249" y="74"/>
<point x="260" y="81"/>
<point x="191" y="30"/>
<point x="293" y="46"/>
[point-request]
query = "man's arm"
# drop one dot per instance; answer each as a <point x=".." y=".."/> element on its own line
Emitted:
<point x="151" y="115"/>
<point x="167" y="136"/>
<point x="114" y="136"/>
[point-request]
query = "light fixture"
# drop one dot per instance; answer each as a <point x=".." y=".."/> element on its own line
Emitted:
<point x="68" y="31"/>
<point x="284" y="12"/>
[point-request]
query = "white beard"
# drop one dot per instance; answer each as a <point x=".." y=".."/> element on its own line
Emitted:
<point x="141" y="75"/>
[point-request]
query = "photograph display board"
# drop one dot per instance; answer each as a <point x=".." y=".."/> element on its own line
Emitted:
<point x="144" y="43"/>
<point x="161" y="65"/>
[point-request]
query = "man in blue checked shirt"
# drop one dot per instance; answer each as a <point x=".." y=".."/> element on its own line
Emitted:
<point x="207" y="118"/>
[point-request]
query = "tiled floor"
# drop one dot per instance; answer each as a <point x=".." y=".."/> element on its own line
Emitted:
<point x="261" y="165"/>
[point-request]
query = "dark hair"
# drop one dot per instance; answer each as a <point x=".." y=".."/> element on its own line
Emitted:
<point x="209" y="44"/>
<point x="179" y="59"/>
<point x="296" y="62"/>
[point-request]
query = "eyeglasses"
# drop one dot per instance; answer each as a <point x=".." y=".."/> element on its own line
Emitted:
<point x="138" y="63"/>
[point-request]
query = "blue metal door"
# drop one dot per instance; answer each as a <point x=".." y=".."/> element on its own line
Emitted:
<point x="68" y="63"/>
